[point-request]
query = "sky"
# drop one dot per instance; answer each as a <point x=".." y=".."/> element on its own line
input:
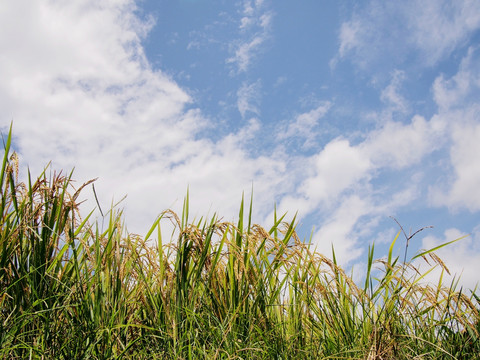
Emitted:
<point x="343" y="113"/>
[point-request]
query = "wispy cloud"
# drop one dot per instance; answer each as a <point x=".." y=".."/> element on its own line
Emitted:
<point x="305" y="125"/>
<point x="350" y="36"/>
<point x="254" y="30"/>
<point x="393" y="31"/>
<point x="457" y="91"/>
<point x="438" y="27"/>
<point x="249" y="97"/>
<point x="391" y="94"/>
<point x="371" y="35"/>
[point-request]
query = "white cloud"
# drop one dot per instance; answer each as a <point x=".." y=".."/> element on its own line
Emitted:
<point x="338" y="230"/>
<point x="254" y="29"/>
<point x="248" y="98"/>
<point x="245" y="51"/>
<point x="336" y="168"/>
<point x="81" y="93"/>
<point x="390" y="31"/>
<point x="372" y="32"/>
<point x="338" y="182"/>
<point x="438" y="27"/>
<point x="304" y="125"/>
<point x="466" y="161"/>
<point x="463" y="190"/>
<point x="391" y="96"/>
<point x="386" y="34"/>
<point x="457" y="100"/>
<point x="399" y="145"/>
<point x="280" y="81"/>
<point x="456" y="91"/>
<point x="350" y="36"/>
<point x="250" y="15"/>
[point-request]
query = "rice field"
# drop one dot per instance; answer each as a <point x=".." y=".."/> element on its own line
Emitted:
<point x="71" y="288"/>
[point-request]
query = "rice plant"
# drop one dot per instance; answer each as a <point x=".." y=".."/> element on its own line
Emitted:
<point x="73" y="289"/>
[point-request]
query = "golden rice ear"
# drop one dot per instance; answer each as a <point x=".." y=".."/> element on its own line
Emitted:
<point x="440" y="262"/>
<point x="14" y="164"/>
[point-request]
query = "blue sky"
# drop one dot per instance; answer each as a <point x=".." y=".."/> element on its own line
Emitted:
<point x="348" y="112"/>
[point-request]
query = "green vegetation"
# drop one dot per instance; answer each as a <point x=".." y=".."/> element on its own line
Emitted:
<point x="215" y="290"/>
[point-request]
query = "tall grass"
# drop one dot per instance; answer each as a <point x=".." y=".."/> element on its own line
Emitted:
<point x="70" y="289"/>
